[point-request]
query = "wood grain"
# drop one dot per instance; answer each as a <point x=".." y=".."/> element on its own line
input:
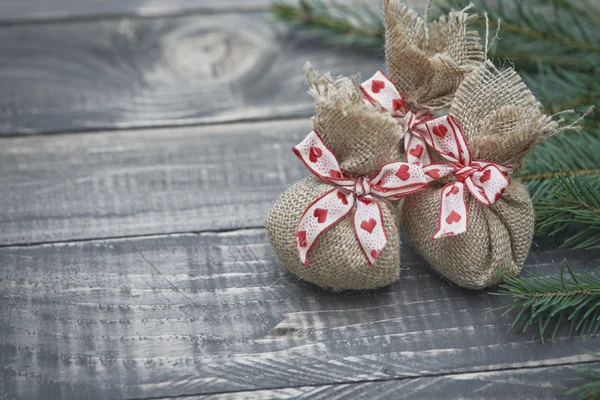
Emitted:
<point x="213" y="313"/>
<point x="12" y="11"/>
<point x="67" y="187"/>
<point x="125" y="73"/>
<point x="534" y="383"/>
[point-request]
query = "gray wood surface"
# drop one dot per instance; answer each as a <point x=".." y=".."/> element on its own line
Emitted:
<point x="534" y="383"/>
<point x="82" y="186"/>
<point x="213" y="313"/>
<point x="126" y="73"/>
<point x="133" y="262"/>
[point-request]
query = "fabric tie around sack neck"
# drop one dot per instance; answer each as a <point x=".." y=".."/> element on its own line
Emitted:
<point x="392" y="181"/>
<point x="485" y="180"/>
<point x="380" y="90"/>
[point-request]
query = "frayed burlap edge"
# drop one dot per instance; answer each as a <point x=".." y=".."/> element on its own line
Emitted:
<point x="427" y="61"/>
<point x="361" y="136"/>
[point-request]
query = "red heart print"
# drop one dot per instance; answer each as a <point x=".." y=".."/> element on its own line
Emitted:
<point x="453" y="217"/>
<point x="433" y="174"/>
<point x="368" y="225"/>
<point x="335" y="174"/>
<point x="365" y="201"/>
<point x="453" y="191"/>
<point x="440" y="131"/>
<point x="417" y="151"/>
<point x="374" y="253"/>
<point x="314" y="154"/>
<point x="403" y="173"/>
<point x="342" y="197"/>
<point x="301" y="238"/>
<point x="377" y="85"/>
<point x="320" y="214"/>
<point x="487" y="175"/>
<point x="398" y="104"/>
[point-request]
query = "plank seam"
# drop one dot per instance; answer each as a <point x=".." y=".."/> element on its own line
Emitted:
<point x="289" y="118"/>
<point x="126" y="237"/>
<point x="402" y="378"/>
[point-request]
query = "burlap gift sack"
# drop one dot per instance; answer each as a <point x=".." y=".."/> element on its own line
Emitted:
<point x="363" y="139"/>
<point x="502" y="121"/>
<point x="428" y="61"/>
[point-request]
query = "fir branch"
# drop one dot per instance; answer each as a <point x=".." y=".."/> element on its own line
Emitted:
<point x="553" y="32"/>
<point x="357" y="25"/>
<point x="547" y="302"/>
<point x="567" y="154"/>
<point x="590" y="389"/>
<point x="573" y="202"/>
<point x="558" y="174"/>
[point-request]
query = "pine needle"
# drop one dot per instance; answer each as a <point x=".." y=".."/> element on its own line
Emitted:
<point x="358" y="25"/>
<point x="573" y="202"/>
<point x="550" y="302"/>
<point x="590" y="388"/>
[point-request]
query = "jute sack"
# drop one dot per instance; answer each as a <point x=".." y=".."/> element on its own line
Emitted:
<point x="502" y="121"/>
<point x="428" y="61"/>
<point x="363" y="139"/>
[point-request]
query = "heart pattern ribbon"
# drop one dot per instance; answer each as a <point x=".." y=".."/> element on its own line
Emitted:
<point x="380" y="90"/>
<point x="485" y="180"/>
<point x="392" y="181"/>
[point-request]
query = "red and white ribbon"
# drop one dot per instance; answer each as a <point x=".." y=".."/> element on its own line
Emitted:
<point x="392" y="181"/>
<point x="485" y="180"/>
<point x="380" y="90"/>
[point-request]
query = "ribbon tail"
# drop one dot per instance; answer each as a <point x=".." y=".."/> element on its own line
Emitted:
<point x="368" y="227"/>
<point x="323" y="213"/>
<point x="453" y="217"/>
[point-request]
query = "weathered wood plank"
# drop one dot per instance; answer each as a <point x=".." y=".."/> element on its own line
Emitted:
<point x="12" y="11"/>
<point x="159" y="72"/>
<point x="213" y="313"/>
<point x="64" y="187"/>
<point x="534" y="383"/>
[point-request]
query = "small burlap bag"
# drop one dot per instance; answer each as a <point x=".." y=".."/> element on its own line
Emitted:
<point x="427" y="61"/>
<point x="502" y="121"/>
<point x="363" y="139"/>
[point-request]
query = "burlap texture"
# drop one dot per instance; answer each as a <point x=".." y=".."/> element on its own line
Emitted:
<point x="360" y="138"/>
<point x="427" y="61"/>
<point x="502" y="121"/>
<point x="336" y="260"/>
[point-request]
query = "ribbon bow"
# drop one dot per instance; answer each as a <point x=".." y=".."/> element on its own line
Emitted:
<point x="485" y="180"/>
<point x="379" y="89"/>
<point x="392" y="181"/>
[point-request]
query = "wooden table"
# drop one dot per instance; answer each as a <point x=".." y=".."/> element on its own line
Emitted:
<point x="141" y="146"/>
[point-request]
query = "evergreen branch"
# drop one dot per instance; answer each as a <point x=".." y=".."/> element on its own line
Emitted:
<point x="543" y="301"/>
<point x="540" y="35"/>
<point x="358" y="25"/>
<point x="548" y="31"/>
<point x="567" y="154"/>
<point x="558" y="174"/>
<point x="590" y="389"/>
<point x="580" y="12"/>
<point x="574" y="202"/>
